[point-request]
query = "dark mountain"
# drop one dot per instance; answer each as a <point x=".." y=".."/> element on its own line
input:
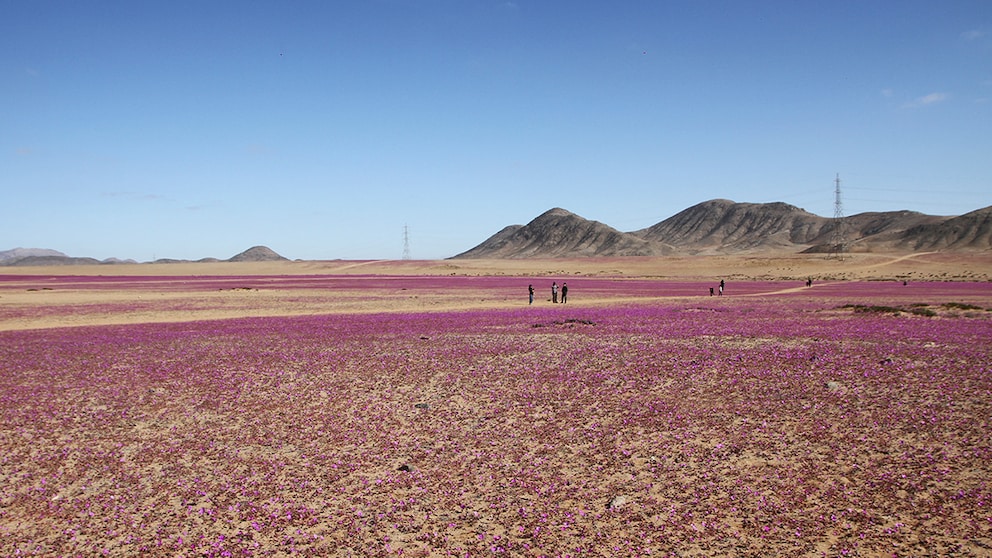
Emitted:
<point x="258" y="254"/>
<point x="723" y="226"/>
<point x="559" y="233"/>
<point x="727" y="227"/>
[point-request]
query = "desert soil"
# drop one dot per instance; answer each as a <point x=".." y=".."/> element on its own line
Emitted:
<point x="23" y="291"/>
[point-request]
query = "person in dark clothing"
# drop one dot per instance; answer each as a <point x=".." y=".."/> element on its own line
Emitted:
<point x="721" y="287"/>
<point x="530" y="291"/>
<point x="564" y="292"/>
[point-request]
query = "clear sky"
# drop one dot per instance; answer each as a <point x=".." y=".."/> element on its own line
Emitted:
<point x="191" y="129"/>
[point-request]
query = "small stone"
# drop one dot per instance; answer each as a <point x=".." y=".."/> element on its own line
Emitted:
<point x="617" y="502"/>
<point x="835" y="387"/>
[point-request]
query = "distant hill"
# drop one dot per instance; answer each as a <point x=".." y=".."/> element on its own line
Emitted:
<point x="257" y="254"/>
<point x="727" y="227"/>
<point x="253" y="254"/>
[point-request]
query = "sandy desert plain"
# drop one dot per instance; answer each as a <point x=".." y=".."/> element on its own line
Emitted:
<point x="424" y="408"/>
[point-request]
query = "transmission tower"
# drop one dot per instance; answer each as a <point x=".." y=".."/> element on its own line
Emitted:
<point x="837" y="239"/>
<point x="406" y="242"/>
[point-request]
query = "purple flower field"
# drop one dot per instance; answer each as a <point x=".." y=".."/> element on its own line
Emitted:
<point x="36" y="302"/>
<point x="850" y="419"/>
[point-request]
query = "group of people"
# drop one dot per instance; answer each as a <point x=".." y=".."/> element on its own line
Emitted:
<point x="554" y="292"/>
<point x="564" y="291"/>
<point x="721" y="288"/>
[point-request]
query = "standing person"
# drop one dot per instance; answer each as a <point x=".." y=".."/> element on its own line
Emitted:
<point x="564" y="292"/>
<point x="721" y="287"/>
<point x="530" y="292"/>
<point x="554" y="292"/>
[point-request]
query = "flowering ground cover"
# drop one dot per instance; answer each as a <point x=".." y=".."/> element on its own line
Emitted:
<point x="368" y="283"/>
<point x="775" y="420"/>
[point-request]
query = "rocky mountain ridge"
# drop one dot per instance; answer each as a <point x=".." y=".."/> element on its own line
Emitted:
<point x="726" y="227"/>
<point x="714" y="227"/>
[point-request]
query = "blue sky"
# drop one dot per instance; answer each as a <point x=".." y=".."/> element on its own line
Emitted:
<point x="321" y="129"/>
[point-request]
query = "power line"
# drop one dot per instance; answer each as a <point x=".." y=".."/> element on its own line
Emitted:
<point x="906" y="202"/>
<point x="941" y="190"/>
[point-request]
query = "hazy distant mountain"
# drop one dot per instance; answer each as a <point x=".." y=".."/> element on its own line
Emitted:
<point x="41" y="256"/>
<point x="727" y="227"/>
<point x="559" y="233"/>
<point x="44" y="257"/>
<point x="19" y="253"/>
<point x="257" y="254"/>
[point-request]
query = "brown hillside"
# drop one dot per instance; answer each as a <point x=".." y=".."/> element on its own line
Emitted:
<point x="723" y="226"/>
<point x="560" y="233"/>
<point x="879" y="231"/>
<point x="971" y="231"/>
<point x="498" y="242"/>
